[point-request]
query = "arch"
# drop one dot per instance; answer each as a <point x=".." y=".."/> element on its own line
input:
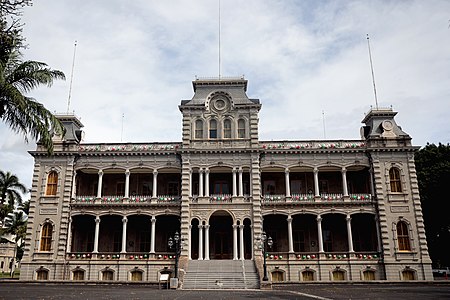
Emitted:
<point x="278" y="275"/>
<point x="395" y="182"/>
<point x="221" y="234"/>
<point x="46" y="237"/>
<point x="42" y="273"/>
<point x="195" y="232"/>
<point x="307" y="274"/>
<point x="107" y="274"/>
<point x="338" y="274"/>
<point x="136" y="274"/>
<point x="78" y="274"/>
<point x="52" y="183"/>
<point x="408" y="274"/>
<point x="368" y="274"/>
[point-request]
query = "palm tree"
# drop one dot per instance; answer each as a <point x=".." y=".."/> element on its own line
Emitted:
<point x="11" y="191"/>
<point x="16" y="226"/>
<point x="23" y="114"/>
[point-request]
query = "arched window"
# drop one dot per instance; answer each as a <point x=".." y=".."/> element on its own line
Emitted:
<point x="394" y="178"/>
<point x="78" y="275"/>
<point x="277" y="276"/>
<point x="408" y="275"/>
<point x="241" y="128"/>
<point x="369" y="275"/>
<point x="227" y="129"/>
<point x="46" y="237"/>
<point x="42" y="274"/>
<point x="213" y="129"/>
<point x="52" y="183"/>
<point x="107" y="275"/>
<point x="136" y="276"/>
<point x="403" y="237"/>
<point x="199" y="129"/>
<point x="338" y="275"/>
<point x="308" y="276"/>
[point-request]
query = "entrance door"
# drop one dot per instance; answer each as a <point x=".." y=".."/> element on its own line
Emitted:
<point x="221" y="246"/>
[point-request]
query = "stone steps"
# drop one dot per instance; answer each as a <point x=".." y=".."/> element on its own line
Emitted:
<point x="221" y="274"/>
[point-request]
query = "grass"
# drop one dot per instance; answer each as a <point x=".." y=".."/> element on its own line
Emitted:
<point x="7" y="275"/>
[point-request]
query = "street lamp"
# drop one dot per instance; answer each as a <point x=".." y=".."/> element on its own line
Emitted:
<point x="263" y="242"/>
<point x="176" y="243"/>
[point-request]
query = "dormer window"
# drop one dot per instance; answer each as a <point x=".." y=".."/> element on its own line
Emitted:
<point x="199" y="129"/>
<point x="227" y="129"/>
<point x="241" y="128"/>
<point x="213" y="129"/>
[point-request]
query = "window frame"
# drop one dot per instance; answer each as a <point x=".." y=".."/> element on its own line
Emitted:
<point x="227" y="129"/>
<point x="45" y="244"/>
<point x="395" y="182"/>
<point x="198" y="132"/>
<point x="241" y="130"/>
<point x="403" y="238"/>
<point x="52" y="184"/>
<point x="212" y="134"/>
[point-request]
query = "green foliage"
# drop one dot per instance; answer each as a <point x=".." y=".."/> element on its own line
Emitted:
<point x="23" y="114"/>
<point x="433" y="173"/>
<point x="11" y="191"/>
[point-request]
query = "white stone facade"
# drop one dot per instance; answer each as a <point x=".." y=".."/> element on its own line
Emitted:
<point x="335" y="210"/>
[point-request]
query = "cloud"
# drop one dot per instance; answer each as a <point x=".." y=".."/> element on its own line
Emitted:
<point x="137" y="60"/>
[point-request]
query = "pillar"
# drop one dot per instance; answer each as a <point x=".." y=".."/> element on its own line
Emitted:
<point x="241" y="241"/>
<point x="190" y="183"/>
<point x="190" y="242"/>
<point x="97" y="231"/>
<point x="200" y="183"/>
<point x="200" y="242"/>
<point x="69" y="236"/>
<point x="344" y="181"/>
<point x="241" y="185"/>
<point x="316" y="182"/>
<point x="206" y="182"/>
<point x="152" y="238"/>
<point x="319" y="233"/>
<point x="155" y="184"/>
<point x="207" y="241"/>
<point x="127" y="183"/>
<point x="124" y="235"/>
<point x="235" y="248"/>
<point x="288" y="184"/>
<point x="99" y="186"/>
<point x="74" y="185"/>
<point x="349" y="233"/>
<point x="290" y="239"/>
<point x="234" y="183"/>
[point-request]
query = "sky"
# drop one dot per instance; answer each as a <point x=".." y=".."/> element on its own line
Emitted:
<point x="307" y="61"/>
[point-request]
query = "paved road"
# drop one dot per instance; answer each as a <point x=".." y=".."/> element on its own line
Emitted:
<point x="18" y="290"/>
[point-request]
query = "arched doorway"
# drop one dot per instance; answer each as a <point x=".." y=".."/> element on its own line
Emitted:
<point x="221" y="235"/>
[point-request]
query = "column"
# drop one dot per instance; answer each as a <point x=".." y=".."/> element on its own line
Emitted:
<point x="319" y="233"/>
<point x="97" y="230"/>
<point x="288" y="184"/>
<point x="155" y="184"/>
<point x="252" y="234"/>
<point x="74" y="184"/>
<point x="290" y="239"/>
<point x="234" y="183"/>
<point x="190" y="182"/>
<point x="344" y="181"/>
<point x="207" y="242"/>
<point x="69" y="236"/>
<point x="241" y="241"/>
<point x="200" y="242"/>
<point x="377" y="226"/>
<point x="316" y="182"/>
<point x="349" y="233"/>
<point x="241" y="193"/>
<point x="206" y="182"/>
<point x="127" y="183"/>
<point x="235" y="248"/>
<point x="124" y="235"/>
<point x="152" y="238"/>
<point x="190" y="242"/>
<point x="99" y="185"/>
<point x="200" y="182"/>
<point x="372" y="189"/>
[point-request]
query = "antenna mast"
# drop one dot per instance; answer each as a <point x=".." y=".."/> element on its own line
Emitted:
<point x="71" y="76"/>
<point x="323" y="121"/>
<point x="219" y="43"/>
<point x="373" y="76"/>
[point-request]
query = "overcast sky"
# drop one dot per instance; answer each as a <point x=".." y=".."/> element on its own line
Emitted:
<point x="137" y="59"/>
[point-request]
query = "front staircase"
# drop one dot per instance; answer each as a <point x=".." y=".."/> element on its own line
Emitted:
<point x="221" y="274"/>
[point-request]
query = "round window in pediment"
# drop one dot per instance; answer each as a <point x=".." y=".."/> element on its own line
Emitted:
<point x="220" y="104"/>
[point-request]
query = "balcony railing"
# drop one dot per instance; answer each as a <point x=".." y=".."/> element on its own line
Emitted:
<point x="360" y="197"/>
<point x="332" y="197"/>
<point x="274" y="198"/>
<point x="217" y="198"/>
<point x="123" y="256"/>
<point x="302" y="197"/>
<point x="323" y="256"/>
<point x="135" y="199"/>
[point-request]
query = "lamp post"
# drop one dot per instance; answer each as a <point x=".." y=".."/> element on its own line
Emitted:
<point x="263" y="242"/>
<point x="176" y="243"/>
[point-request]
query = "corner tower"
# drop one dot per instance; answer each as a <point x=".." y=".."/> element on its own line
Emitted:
<point x="220" y="115"/>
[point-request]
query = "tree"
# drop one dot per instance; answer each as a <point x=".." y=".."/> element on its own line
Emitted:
<point x="16" y="226"/>
<point x="23" y="114"/>
<point x="11" y="191"/>
<point x="433" y="173"/>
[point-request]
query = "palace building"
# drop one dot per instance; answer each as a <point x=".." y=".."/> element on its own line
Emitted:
<point x="330" y="210"/>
